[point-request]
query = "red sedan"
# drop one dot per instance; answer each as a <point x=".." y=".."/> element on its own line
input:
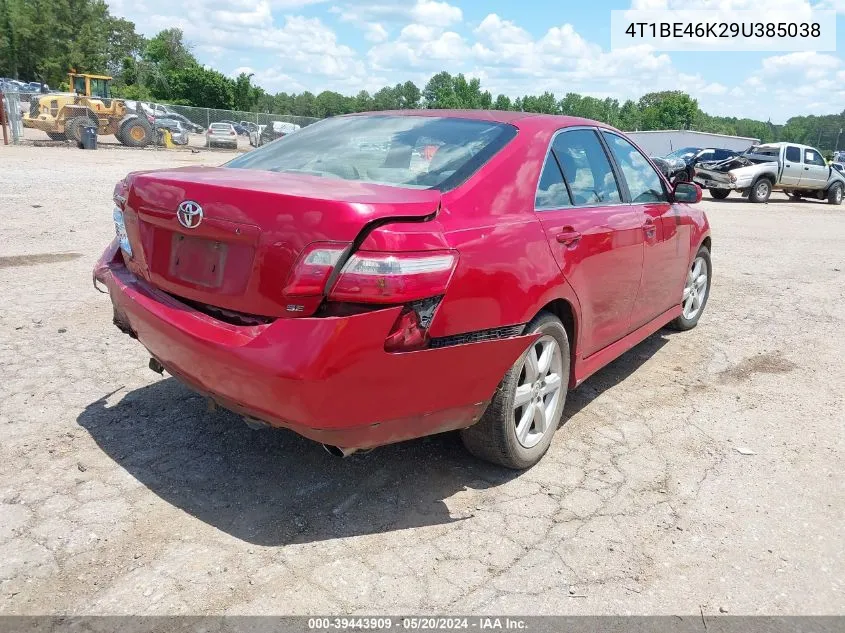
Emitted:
<point x="379" y="277"/>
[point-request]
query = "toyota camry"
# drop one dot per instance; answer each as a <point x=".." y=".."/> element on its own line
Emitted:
<point x="380" y="277"/>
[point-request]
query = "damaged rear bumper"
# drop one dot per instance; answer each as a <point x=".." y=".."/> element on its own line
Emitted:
<point x="328" y="379"/>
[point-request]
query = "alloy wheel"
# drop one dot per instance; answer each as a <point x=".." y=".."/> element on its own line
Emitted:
<point x="538" y="391"/>
<point x="695" y="288"/>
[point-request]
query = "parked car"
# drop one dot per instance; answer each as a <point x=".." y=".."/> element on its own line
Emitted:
<point x="358" y="302"/>
<point x="37" y="86"/>
<point x="268" y="133"/>
<point x="177" y="131"/>
<point x="186" y="123"/>
<point x="679" y="166"/>
<point x="797" y="170"/>
<point x="221" y="134"/>
<point x="239" y="129"/>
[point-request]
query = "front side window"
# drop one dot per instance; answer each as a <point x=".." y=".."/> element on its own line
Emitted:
<point x="99" y="88"/>
<point x="586" y="168"/>
<point x="812" y="157"/>
<point x="793" y="154"/>
<point x="644" y="184"/>
<point x="405" y="151"/>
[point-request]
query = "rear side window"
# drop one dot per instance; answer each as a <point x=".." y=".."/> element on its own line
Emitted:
<point x="644" y="184"/>
<point x="551" y="192"/>
<point x="586" y="168"/>
<point x="793" y="154"/>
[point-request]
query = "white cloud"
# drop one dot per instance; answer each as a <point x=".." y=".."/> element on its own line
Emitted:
<point x="375" y="32"/>
<point x="436" y="13"/>
<point x="412" y="40"/>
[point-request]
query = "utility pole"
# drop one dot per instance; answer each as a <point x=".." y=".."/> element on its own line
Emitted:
<point x="836" y="145"/>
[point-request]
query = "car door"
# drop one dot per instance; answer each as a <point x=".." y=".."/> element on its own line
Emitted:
<point x="816" y="170"/>
<point x="596" y="238"/>
<point x="665" y="256"/>
<point x="793" y="168"/>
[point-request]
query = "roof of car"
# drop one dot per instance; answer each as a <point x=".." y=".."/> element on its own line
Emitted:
<point x="552" y="121"/>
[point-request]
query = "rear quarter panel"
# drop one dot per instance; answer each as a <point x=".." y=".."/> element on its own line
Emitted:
<point x="506" y="271"/>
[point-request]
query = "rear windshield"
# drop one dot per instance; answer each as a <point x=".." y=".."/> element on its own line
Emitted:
<point x="404" y="151"/>
<point x="222" y="127"/>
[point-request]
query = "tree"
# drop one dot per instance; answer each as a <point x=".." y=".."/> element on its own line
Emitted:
<point x="244" y="93"/>
<point x="169" y="50"/>
<point x="329" y="103"/>
<point x="667" y="110"/>
<point x="503" y="102"/>
<point x="199" y="86"/>
<point x="409" y="95"/>
<point x="439" y="92"/>
<point x="303" y="104"/>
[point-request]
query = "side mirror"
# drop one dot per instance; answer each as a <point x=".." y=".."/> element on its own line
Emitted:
<point x="688" y="192"/>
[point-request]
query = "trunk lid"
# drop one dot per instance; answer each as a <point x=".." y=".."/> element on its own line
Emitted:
<point x="252" y="229"/>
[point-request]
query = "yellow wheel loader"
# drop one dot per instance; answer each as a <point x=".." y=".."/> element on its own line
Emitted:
<point x="63" y="115"/>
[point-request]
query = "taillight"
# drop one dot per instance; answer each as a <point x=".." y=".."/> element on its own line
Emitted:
<point x="313" y="268"/>
<point x="392" y="278"/>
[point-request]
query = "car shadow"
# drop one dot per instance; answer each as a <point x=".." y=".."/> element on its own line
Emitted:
<point x="272" y="487"/>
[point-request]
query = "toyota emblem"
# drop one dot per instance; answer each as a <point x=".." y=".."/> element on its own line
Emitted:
<point x="189" y="214"/>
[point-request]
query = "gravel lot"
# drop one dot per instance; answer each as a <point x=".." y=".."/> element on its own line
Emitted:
<point x="700" y="470"/>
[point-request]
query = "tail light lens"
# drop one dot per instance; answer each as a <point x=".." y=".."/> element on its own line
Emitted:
<point x="392" y="278"/>
<point x="418" y="280"/>
<point x="312" y="271"/>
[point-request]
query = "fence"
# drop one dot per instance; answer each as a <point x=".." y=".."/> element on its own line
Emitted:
<point x="32" y="117"/>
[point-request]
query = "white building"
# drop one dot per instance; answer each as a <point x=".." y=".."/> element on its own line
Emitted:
<point x="662" y="142"/>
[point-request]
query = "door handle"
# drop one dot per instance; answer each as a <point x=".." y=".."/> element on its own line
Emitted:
<point x="568" y="236"/>
<point x="806" y="169"/>
<point x="649" y="228"/>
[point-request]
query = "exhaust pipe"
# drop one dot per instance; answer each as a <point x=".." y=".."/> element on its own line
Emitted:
<point x="339" y="451"/>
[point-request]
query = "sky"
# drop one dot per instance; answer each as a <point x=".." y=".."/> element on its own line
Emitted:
<point x="515" y="47"/>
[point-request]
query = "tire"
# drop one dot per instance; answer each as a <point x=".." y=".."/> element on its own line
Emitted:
<point x="834" y="194"/>
<point x="720" y="194"/>
<point x="73" y="128"/>
<point x="760" y="190"/>
<point x="494" y="437"/>
<point x="689" y="318"/>
<point x="57" y="136"/>
<point x="135" y="133"/>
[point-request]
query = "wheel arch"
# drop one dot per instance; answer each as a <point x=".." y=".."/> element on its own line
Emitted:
<point x="567" y="312"/>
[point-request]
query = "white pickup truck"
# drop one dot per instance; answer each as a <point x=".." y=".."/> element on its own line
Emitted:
<point x="797" y="170"/>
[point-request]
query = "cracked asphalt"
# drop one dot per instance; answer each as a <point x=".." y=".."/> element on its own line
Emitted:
<point x="701" y="470"/>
